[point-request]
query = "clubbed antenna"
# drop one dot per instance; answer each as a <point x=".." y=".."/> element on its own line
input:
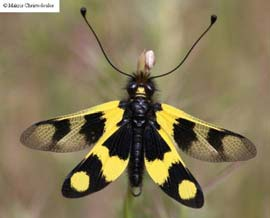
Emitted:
<point x="83" y="12"/>
<point x="213" y="20"/>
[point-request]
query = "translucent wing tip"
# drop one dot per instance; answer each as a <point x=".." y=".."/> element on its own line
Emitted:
<point x="24" y="139"/>
<point x="251" y="149"/>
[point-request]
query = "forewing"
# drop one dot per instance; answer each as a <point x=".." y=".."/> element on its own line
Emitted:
<point x="203" y="140"/>
<point x="105" y="163"/>
<point x="74" y="131"/>
<point x="166" y="168"/>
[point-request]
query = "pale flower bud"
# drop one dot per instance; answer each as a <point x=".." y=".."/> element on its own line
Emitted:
<point x="149" y="60"/>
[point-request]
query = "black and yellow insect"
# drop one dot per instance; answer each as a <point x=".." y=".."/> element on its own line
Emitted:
<point x="137" y="134"/>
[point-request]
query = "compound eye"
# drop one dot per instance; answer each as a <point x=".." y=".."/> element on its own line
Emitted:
<point x="132" y="87"/>
<point x="149" y="89"/>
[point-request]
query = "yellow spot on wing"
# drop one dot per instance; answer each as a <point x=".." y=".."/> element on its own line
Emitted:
<point x="187" y="190"/>
<point x="80" y="181"/>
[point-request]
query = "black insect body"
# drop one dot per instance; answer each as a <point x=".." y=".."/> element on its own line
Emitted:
<point x="139" y="114"/>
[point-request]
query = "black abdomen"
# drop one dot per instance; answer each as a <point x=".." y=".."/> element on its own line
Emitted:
<point x="136" y="161"/>
<point x="139" y="108"/>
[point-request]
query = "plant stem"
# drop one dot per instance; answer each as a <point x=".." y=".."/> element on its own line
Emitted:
<point x="127" y="205"/>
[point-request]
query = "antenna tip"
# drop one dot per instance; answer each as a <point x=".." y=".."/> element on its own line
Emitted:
<point x="83" y="11"/>
<point x="213" y="19"/>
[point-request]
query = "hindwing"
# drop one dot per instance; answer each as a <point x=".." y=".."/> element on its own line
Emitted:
<point x="203" y="140"/>
<point x="104" y="163"/>
<point x="74" y="131"/>
<point x="166" y="168"/>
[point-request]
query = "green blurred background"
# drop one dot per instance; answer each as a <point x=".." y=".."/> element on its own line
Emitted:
<point x="50" y="65"/>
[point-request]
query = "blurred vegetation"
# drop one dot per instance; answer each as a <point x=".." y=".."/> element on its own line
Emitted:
<point x="50" y="64"/>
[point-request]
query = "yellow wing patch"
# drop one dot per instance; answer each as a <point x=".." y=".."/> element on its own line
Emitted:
<point x="158" y="169"/>
<point x="112" y="166"/>
<point x="112" y="105"/>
